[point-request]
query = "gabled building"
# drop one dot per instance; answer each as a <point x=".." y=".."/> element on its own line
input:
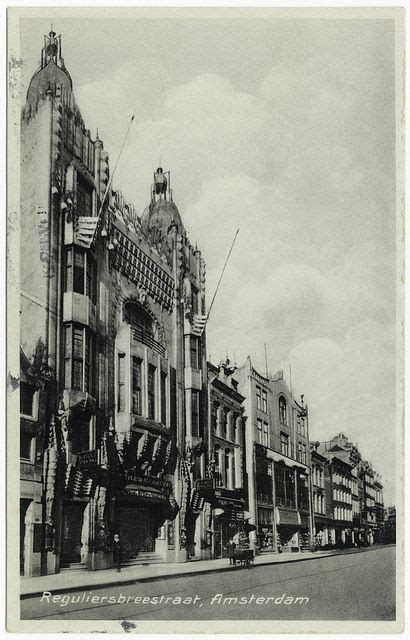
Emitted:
<point x="113" y="351"/>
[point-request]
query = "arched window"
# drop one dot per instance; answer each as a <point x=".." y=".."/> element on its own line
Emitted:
<point x="144" y="327"/>
<point x="138" y="318"/>
<point x="283" y="410"/>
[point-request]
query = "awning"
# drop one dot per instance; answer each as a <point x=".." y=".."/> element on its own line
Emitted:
<point x="287" y="516"/>
<point x="279" y="457"/>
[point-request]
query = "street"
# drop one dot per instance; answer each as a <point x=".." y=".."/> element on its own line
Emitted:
<point x="358" y="586"/>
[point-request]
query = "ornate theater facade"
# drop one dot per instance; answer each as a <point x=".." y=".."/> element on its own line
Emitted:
<point x="113" y="400"/>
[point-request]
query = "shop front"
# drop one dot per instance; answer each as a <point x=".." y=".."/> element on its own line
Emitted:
<point x="288" y="528"/>
<point x="304" y="532"/>
<point x="229" y="523"/>
<point x="265" y="531"/>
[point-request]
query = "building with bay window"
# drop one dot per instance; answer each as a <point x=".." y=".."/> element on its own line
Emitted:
<point x="277" y="462"/>
<point x="113" y="354"/>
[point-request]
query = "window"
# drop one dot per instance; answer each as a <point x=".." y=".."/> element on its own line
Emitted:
<point x="84" y="197"/>
<point x="136" y="386"/>
<point x="214" y="417"/>
<point x="80" y="273"/>
<point x="79" y="367"/>
<point x="224" y="421"/>
<point x="163" y="397"/>
<point x="27" y="399"/>
<point x="218" y="467"/>
<point x="284" y="444"/>
<point x="195" y="349"/>
<point x="302" y="426"/>
<point x="299" y="451"/>
<point x="195" y="300"/>
<point x="265" y="434"/>
<point x="151" y="391"/>
<point x="258" y="398"/>
<point x="283" y="412"/>
<point x="259" y="431"/>
<point x="195" y="426"/>
<point x="264" y="401"/>
<point x="303" y="459"/>
<point x="234" y="427"/>
<point x="227" y="470"/>
<point x="121" y="382"/>
<point x="26" y="445"/>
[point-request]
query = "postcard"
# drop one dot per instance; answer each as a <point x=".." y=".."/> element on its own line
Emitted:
<point x="205" y="320"/>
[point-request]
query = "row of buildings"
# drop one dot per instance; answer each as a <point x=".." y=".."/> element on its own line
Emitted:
<point x="124" y="424"/>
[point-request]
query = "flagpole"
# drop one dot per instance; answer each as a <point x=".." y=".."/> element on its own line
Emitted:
<point x="112" y="174"/>
<point x="220" y="277"/>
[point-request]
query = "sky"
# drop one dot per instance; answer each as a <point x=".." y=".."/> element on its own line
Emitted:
<point x="285" y="129"/>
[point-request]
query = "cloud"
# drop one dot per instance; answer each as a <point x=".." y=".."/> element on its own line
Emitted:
<point x="304" y="167"/>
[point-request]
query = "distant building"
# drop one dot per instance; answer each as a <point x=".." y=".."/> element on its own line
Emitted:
<point x="277" y="459"/>
<point x="354" y="497"/>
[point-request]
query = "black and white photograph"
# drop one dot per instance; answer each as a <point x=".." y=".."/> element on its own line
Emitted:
<point x="205" y="319"/>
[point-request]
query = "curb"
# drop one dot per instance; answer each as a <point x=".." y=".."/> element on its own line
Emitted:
<point x="188" y="574"/>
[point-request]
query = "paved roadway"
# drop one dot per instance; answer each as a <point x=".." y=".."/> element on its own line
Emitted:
<point x="359" y="586"/>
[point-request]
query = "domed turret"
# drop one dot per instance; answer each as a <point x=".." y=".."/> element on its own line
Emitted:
<point x="161" y="213"/>
<point x="52" y="72"/>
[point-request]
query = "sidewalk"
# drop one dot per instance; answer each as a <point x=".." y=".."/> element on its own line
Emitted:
<point x="83" y="580"/>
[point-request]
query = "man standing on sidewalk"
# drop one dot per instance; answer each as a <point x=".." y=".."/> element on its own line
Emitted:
<point x="117" y="551"/>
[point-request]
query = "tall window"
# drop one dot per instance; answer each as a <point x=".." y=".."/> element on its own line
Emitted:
<point x="136" y="385"/>
<point x="27" y="392"/>
<point x="163" y="397"/>
<point x="121" y="382"/>
<point x="304" y="454"/>
<point x="234" y="427"/>
<point x="151" y="391"/>
<point x="195" y="413"/>
<point x="228" y="470"/>
<point x="84" y="197"/>
<point x="218" y="467"/>
<point x="80" y="273"/>
<point x="195" y="350"/>
<point x="284" y="443"/>
<point x="195" y="300"/>
<point x="79" y="359"/>
<point x="224" y="424"/>
<point x="214" y="417"/>
<point x="259" y="431"/>
<point x="264" y="401"/>
<point x="26" y="446"/>
<point x="258" y="398"/>
<point x="283" y="411"/>
<point x="266" y="434"/>
<point x="300" y="451"/>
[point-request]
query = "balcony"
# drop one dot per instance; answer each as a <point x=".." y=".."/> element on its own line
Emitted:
<point x="144" y="337"/>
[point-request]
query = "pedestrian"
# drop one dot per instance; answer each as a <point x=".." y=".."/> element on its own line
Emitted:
<point x="117" y="551"/>
<point x="230" y="548"/>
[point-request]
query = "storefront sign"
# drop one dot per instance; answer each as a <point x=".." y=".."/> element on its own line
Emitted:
<point x="87" y="459"/>
<point x="143" y="493"/>
<point x="205" y="486"/>
<point x="148" y="481"/>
